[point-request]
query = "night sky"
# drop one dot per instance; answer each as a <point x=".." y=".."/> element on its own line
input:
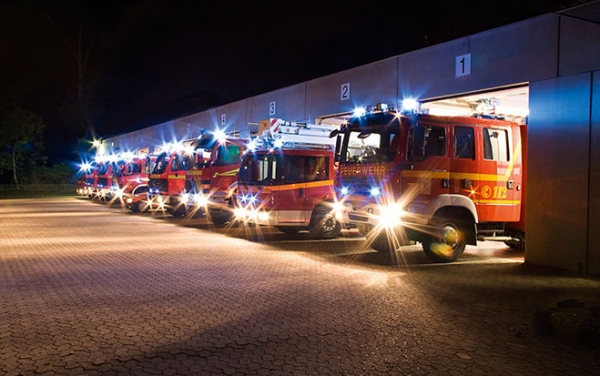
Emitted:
<point x="145" y="62"/>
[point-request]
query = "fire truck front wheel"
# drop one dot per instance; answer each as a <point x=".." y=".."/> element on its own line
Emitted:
<point x="324" y="225"/>
<point x="447" y="244"/>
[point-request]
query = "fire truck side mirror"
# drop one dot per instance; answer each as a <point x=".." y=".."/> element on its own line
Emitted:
<point x="338" y="149"/>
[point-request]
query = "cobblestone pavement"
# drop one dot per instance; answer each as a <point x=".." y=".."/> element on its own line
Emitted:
<point x="88" y="289"/>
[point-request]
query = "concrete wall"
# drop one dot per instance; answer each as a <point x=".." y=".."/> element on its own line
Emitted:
<point x="285" y="103"/>
<point x="579" y="46"/>
<point x="558" y="178"/>
<point x="564" y="156"/>
<point x="518" y="53"/>
<point x="191" y="126"/>
<point x="229" y="118"/>
<point x="344" y="91"/>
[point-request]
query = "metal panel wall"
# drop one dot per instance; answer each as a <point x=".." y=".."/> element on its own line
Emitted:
<point x="558" y="172"/>
<point x="579" y="46"/>
<point x="191" y="126"/>
<point x="143" y="138"/>
<point x="230" y="117"/>
<point x="288" y="103"/>
<point x="344" y="91"/>
<point x="594" y="205"/>
<point x="517" y="53"/>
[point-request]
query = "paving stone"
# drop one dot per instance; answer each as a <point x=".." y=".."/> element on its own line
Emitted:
<point x="93" y="290"/>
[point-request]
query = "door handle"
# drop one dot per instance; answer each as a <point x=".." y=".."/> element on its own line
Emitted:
<point x="301" y="192"/>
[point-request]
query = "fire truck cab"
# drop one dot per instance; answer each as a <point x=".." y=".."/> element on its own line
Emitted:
<point x="131" y="177"/>
<point x="166" y="180"/>
<point x="215" y="164"/>
<point x="87" y="181"/>
<point x="443" y="181"/>
<point x="196" y="177"/>
<point x="286" y="179"/>
<point x="103" y="177"/>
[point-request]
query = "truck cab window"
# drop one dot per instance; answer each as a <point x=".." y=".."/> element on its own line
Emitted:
<point x="495" y="144"/>
<point x="228" y="154"/>
<point x="464" y="144"/>
<point x="435" y="141"/>
<point x="161" y="164"/>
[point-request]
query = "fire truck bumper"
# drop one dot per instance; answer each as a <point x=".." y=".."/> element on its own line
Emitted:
<point x="372" y="216"/>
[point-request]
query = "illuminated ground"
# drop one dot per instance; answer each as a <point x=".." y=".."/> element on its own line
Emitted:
<point x="91" y="289"/>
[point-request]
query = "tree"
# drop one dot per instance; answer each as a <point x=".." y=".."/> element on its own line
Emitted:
<point x="21" y="135"/>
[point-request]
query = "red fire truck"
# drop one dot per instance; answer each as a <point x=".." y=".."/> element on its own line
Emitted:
<point x="87" y="180"/>
<point x="287" y="181"/>
<point x="197" y="177"/>
<point x="214" y="163"/>
<point x="131" y="176"/>
<point x="167" y="163"/>
<point x="103" y="177"/>
<point x="443" y="181"/>
<point x="136" y="189"/>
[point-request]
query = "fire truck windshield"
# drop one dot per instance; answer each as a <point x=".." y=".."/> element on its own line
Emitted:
<point x="374" y="145"/>
<point x="279" y="169"/>
<point x="103" y="168"/>
<point x="228" y="154"/>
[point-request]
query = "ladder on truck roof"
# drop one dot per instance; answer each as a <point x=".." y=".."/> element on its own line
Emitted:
<point x="276" y="132"/>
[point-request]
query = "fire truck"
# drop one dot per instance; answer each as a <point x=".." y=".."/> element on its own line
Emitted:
<point x="87" y="181"/>
<point x="197" y="177"/>
<point x="213" y="174"/>
<point x="168" y="173"/>
<point x="287" y="179"/>
<point x="103" y="177"/>
<point x="131" y="177"/>
<point x="446" y="182"/>
<point x="136" y="191"/>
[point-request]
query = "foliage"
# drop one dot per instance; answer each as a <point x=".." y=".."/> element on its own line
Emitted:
<point x="59" y="173"/>
<point x="21" y="144"/>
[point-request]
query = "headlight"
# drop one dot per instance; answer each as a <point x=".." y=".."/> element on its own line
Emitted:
<point x="390" y="215"/>
<point x="263" y="216"/>
<point x="200" y="200"/>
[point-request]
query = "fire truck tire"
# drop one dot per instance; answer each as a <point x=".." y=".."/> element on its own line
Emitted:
<point x="220" y="218"/>
<point x="289" y="230"/>
<point x="380" y="242"/>
<point x="179" y="212"/>
<point x="140" y="206"/>
<point x="135" y="207"/>
<point x="447" y="245"/>
<point x="324" y="225"/>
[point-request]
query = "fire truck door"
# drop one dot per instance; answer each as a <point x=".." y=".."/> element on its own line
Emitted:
<point x="290" y="198"/>
<point x="430" y="176"/>
<point x="498" y="184"/>
<point x="176" y="177"/>
<point x="464" y="163"/>
<point x="318" y="184"/>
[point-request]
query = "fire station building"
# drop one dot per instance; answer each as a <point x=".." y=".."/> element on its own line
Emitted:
<point x="544" y="71"/>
